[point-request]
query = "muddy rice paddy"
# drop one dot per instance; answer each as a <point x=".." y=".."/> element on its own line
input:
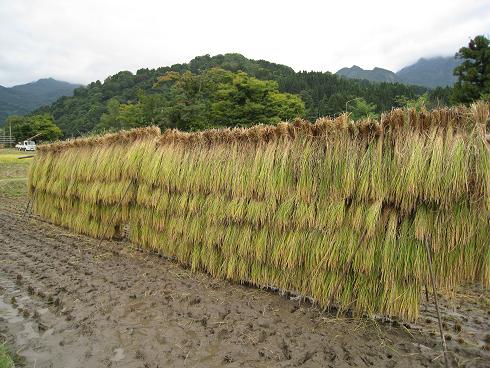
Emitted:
<point x="70" y="301"/>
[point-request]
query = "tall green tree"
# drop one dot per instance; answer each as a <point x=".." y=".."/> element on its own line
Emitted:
<point x="220" y="98"/>
<point x="243" y="100"/>
<point x="121" y="116"/>
<point x="418" y="103"/>
<point x="359" y="108"/>
<point x="41" y="125"/>
<point x="474" y="73"/>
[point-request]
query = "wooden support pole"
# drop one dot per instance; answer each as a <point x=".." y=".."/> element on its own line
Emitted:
<point x="434" y="290"/>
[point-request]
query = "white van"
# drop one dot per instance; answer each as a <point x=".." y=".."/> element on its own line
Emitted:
<point x="26" y="146"/>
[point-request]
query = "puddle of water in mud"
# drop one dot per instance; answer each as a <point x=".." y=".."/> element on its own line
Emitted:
<point x="8" y="313"/>
<point x="26" y="332"/>
<point x="118" y="355"/>
<point x="29" y="332"/>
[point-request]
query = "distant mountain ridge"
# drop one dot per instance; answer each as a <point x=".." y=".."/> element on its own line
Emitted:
<point x="22" y="99"/>
<point x="431" y="72"/>
<point x="375" y="75"/>
<point x="427" y="72"/>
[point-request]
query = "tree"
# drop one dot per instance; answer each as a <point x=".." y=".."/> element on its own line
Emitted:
<point x="474" y="73"/>
<point x="418" y="103"/>
<point x="25" y="127"/>
<point x="121" y="116"/>
<point x="221" y="98"/>
<point x="184" y="100"/>
<point x="109" y="119"/>
<point x="335" y="104"/>
<point x="243" y="100"/>
<point x="359" y="108"/>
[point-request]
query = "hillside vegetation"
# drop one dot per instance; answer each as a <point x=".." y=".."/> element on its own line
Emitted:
<point x="201" y="93"/>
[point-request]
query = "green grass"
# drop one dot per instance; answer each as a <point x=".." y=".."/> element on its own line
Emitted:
<point x="9" y="155"/>
<point x="8" y="359"/>
<point x="14" y="188"/>
<point x="13" y="173"/>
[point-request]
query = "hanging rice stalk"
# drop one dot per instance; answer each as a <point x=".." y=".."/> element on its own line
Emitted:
<point x="336" y="210"/>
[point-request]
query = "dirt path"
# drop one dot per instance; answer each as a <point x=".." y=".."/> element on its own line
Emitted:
<point x="66" y="302"/>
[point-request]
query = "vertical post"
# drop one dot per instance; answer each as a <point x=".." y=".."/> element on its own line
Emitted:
<point x="10" y="130"/>
<point x="114" y="212"/>
<point x="434" y="290"/>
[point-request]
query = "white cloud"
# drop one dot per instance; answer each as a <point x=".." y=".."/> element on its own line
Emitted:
<point x="81" y="41"/>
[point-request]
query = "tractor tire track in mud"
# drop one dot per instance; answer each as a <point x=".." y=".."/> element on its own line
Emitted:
<point x="66" y="302"/>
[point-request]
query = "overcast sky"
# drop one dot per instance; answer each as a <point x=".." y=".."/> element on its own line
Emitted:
<point x="82" y="41"/>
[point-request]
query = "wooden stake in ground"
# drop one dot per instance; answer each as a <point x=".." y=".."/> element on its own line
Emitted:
<point x="117" y="206"/>
<point x="114" y="212"/>
<point x="434" y="290"/>
<point x="26" y="210"/>
<point x="28" y="207"/>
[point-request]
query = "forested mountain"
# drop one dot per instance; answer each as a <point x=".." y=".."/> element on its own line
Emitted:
<point x="214" y="98"/>
<point x="22" y="99"/>
<point x="375" y="75"/>
<point x="151" y="96"/>
<point x="431" y="73"/>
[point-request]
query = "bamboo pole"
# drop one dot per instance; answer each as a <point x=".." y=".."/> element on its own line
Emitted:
<point x="434" y="290"/>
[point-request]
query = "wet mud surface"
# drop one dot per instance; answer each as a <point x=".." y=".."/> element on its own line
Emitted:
<point x="68" y="301"/>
